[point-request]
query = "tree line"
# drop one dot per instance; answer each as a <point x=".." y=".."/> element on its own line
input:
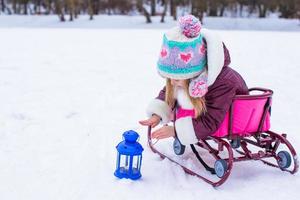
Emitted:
<point x="149" y="8"/>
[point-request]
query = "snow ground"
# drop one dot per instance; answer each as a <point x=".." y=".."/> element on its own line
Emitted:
<point x="67" y="95"/>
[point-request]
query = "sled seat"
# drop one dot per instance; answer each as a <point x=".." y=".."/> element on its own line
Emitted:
<point x="248" y="114"/>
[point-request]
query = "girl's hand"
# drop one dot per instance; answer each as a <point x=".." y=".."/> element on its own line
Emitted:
<point x="164" y="132"/>
<point x="152" y="121"/>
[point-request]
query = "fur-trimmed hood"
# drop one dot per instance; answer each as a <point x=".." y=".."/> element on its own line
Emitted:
<point x="217" y="55"/>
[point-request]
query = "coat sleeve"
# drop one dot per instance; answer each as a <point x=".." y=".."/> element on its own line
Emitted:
<point x="218" y="102"/>
<point x="159" y="107"/>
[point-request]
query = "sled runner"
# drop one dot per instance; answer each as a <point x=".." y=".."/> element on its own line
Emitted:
<point x="246" y="124"/>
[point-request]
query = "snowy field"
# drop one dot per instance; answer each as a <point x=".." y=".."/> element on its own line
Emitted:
<point x="68" y="94"/>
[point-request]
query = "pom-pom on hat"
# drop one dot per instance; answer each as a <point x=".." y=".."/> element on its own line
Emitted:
<point x="183" y="53"/>
<point x="190" y="26"/>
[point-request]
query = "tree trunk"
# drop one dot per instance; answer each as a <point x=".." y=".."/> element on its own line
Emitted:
<point x="153" y="7"/>
<point x="96" y="5"/>
<point x="25" y="7"/>
<point x="172" y="7"/>
<point x="35" y="6"/>
<point x="147" y="15"/>
<point x="38" y="7"/>
<point x="142" y="9"/>
<point x="162" y="20"/>
<point x="262" y="10"/>
<point x="213" y="8"/>
<point x="174" y="10"/>
<point x="222" y="10"/>
<point x="241" y="9"/>
<point x="48" y="4"/>
<point x="91" y="9"/>
<point x="3" y="6"/>
<point x="198" y="9"/>
<point x="59" y="10"/>
<point x="76" y="9"/>
<point x="71" y="8"/>
<point x="14" y="6"/>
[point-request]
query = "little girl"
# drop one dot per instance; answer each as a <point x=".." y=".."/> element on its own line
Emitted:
<point x="200" y="86"/>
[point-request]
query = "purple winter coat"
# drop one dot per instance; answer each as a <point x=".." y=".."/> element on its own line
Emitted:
<point x="218" y="99"/>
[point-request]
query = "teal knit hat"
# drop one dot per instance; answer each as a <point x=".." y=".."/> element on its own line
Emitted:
<point x="183" y="53"/>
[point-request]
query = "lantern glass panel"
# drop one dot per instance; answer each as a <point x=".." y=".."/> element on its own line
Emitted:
<point x="118" y="161"/>
<point x="140" y="162"/>
<point x="136" y="166"/>
<point x="124" y="163"/>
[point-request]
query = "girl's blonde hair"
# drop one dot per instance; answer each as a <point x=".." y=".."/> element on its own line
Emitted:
<point x="198" y="103"/>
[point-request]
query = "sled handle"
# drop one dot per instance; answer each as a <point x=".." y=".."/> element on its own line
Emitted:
<point x="266" y="94"/>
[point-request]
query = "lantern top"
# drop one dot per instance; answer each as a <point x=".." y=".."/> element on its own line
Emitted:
<point x="130" y="146"/>
<point x="131" y="136"/>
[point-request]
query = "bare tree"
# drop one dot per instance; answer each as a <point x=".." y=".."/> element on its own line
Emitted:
<point x="173" y="9"/>
<point x="14" y="6"/>
<point x="262" y="8"/>
<point x="77" y="5"/>
<point x="266" y="5"/>
<point x="165" y="4"/>
<point x="25" y="6"/>
<point x="3" y="6"/>
<point x="91" y="9"/>
<point x="148" y="8"/>
<point x="59" y="10"/>
<point x="70" y="6"/>
<point x="288" y="8"/>
<point x="153" y="7"/>
<point x="37" y="6"/>
<point x="142" y="9"/>
<point x="48" y="6"/>
<point x="240" y="4"/>
<point x="224" y="4"/>
<point x="199" y="8"/>
<point x="213" y="8"/>
<point x="298" y="9"/>
<point x="95" y="6"/>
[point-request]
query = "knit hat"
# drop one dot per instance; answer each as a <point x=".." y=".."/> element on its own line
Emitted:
<point x="183" y="55"/>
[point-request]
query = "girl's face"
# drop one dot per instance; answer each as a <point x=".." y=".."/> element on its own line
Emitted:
<point x="177" y="83"/>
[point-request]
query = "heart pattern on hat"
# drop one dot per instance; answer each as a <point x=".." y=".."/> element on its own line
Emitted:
<point x="163" y="53"/>
<point x="202" y="50"/>
<point x="186" y="57"/>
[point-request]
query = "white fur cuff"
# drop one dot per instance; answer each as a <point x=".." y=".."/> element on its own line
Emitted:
<point x="185" y="131"/>
<point x="161" y="109"/>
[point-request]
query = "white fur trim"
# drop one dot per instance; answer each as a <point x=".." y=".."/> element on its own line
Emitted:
<point x="185" y="131"/>
<point x="184" y="126"/>
<point x="183" y="99"/>
<point x="160" y="108"/>
<point x="177" y="76"/>
<point x="215" y="55"/>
